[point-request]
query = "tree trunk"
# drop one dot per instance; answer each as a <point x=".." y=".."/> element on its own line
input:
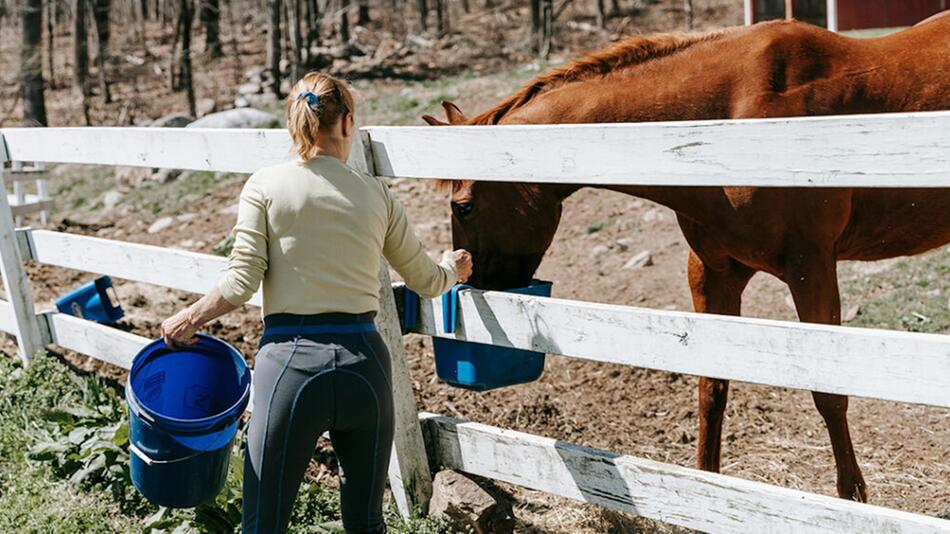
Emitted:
<point x="211" y="20"/>
<point x="101" y="19"/>
<point x="547" y="14"/>
<point x="440" y="17"/>
<point x="345" y="21"/>
<point x="80" y="47"/>
<point x="688" y="9"/>
<point x="423" y="14"/>
<point x="536" y="18"/>
<point x="601" y="15"/>
<point x="50" y="26"/>
<point x="186" y="14"/>
<point x="273" y="44"/>
<point x="143" y="8"/>
<point x="362" y="16"/>
<point x="173" y="80"/>
<point x="313" y="25"/>
<point x="466" y="7"/>
<point x="31" y="64"/>
<point x="296" y="40"/>
<point x="614" y="8"/>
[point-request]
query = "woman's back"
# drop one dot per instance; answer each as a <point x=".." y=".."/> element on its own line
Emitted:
<point x="313" y="232"/>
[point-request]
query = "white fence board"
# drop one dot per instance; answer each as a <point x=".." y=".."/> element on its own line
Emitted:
<point x="16" y="285"/>
<point x="203" y="149"/>
<point x="93" y="339"/>
<point x="885" y="150"/>
<point x="882" y="364"/>
<point x="690" y="498"/>
<point x="7" y="318"/>
<point x="175" y="269"/>
<point x="28" y="204"/>
<point x="889" y="150"/>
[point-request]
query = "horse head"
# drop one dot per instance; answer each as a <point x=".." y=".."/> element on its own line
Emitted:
<point x="506" y="226"/>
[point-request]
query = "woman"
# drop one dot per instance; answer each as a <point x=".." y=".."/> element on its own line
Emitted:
<point x="313" y="230"/>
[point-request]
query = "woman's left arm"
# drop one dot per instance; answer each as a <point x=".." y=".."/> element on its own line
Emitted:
<point x="180" y="329"/>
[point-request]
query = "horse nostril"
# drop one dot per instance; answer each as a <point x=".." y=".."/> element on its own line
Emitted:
<point x="462" y="210"/>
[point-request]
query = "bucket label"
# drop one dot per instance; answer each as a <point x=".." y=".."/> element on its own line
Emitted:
<point x="153" y="386"/>
<point x="200" y="398"/>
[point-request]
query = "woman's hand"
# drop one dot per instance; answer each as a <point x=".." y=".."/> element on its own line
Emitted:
<point x="463" y="263"/>
<point x="179" y="330"/>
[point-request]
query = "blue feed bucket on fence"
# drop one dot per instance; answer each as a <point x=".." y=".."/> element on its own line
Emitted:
<point x="92" y="301"/>
<point x="184" y="408"/>
<point x="481" y="367"/>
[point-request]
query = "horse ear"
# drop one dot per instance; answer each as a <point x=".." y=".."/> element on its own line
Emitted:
<point x="453" y="113"/>
<point x="433" y="121"/>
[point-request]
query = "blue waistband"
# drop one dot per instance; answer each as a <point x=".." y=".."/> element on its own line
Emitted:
<point x="317" y="329"/>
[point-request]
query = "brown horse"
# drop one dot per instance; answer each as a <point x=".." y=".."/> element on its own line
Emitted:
<point x="774" y="69"/>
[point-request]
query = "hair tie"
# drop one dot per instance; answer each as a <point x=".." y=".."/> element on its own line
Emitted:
<point x="312" y="99"/>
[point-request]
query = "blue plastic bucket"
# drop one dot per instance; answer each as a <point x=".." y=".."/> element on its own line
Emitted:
<point x="481" y="367"/>
<point x="184" y="408"/>
<point x="92" y="301"/>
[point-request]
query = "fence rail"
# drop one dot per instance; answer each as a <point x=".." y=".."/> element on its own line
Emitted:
<point x="900" y="150"/>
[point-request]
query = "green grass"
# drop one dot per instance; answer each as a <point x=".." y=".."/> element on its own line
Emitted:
<point x="50" y="417"/>
<point x="913" y="295"/>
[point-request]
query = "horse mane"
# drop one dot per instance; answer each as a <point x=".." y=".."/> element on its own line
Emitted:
<point x="630" y="52"/>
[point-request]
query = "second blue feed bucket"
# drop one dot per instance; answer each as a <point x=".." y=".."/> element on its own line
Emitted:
<point x="184" y="409"/>
<point x="481" y="367"/>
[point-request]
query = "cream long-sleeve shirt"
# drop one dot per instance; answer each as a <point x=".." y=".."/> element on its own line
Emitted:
<point x="313" y="233"/>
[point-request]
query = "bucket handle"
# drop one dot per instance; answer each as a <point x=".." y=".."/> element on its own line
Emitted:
<point x="152" y="461"/>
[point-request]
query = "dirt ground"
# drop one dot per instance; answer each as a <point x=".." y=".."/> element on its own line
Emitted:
<point x="771" y="434"/>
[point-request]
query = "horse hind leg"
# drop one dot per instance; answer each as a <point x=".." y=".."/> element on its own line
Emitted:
<point x="714" y="291"/>
<point x="813" y="282"/>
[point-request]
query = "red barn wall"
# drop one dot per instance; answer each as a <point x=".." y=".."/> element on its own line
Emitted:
<point x="861" y="14"/>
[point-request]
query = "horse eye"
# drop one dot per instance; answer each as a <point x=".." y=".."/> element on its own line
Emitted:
<point x="462" y="210"/>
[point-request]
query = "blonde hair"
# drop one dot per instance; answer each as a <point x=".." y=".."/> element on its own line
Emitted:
<point x="307" y="115"/>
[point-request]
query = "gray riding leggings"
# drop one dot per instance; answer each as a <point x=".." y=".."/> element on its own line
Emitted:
<point x="305" y="385"/>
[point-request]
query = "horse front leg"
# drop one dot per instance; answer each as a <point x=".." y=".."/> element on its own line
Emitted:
<point x="714" y="291"/>
<point x="813" y="280"/>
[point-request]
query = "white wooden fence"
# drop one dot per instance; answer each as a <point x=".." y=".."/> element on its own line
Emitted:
<point x="901" y="150"/>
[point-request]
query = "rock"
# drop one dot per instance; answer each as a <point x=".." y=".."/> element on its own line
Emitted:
<point x="790" y="302"/>
<point x="160" y="225"/>
<point x="253" y="72"/>
<point x="249" y="88"/>
<point x="468" y="506"/>
<point x="638" y="261"/>
<point x="185" y="217"/>
<point x="163" y="176"/>
<point x="262" y="100"/>
<point x="599" y="251"/>
<point x="625" y="244"/>
<point x="206" y="106"/>
<point x="132" y="176"/>
<point x="111" y="199"/>
<point x="651" y="215"/>
<point x="229" y="210"/>
<point x="241" y="102"/>
<point x="849" y="315"/>
<point x="236" y="118"/>
<point x="172" y="120"/>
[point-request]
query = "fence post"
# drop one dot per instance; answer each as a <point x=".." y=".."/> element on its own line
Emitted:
<point x="15" y="282"/>
<point x="409" y="476"/>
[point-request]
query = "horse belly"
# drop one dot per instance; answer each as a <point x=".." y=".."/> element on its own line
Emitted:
<point x="887" y="223"/>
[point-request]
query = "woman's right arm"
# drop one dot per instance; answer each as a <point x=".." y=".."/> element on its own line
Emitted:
<point x="408" y="257"/>
<point x="247" y="262"/>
